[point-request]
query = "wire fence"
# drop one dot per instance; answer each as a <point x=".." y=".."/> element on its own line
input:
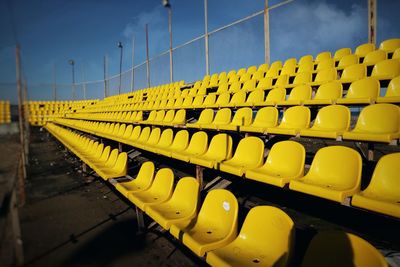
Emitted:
<point x="296" y="28"/>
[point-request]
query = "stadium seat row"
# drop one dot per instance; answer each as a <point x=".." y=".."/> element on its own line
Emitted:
<point x="5" y="112"/>
<point x="105" y="163"/>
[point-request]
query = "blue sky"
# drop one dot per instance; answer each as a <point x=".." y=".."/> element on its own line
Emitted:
<point x="53" y="31"/>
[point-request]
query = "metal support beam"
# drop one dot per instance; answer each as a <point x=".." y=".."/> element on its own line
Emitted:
<point x="206" y="36"/>
<point x="54" y="83"/>
<point x="199" y="175"/>
<point x="133" y="64"/>
<point x="105" y="75"/>
<point x="372" y="15"/>
<point x="171" y="65"/>
<point x="147" y="55"/>
<point x="266" y="33"/>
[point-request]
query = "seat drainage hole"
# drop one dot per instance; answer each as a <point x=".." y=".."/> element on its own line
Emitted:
<point x="209" y="232"/>
<point x="256" y="261"/>
<point x="155" y="198"/>
<point x="177" y="212"/>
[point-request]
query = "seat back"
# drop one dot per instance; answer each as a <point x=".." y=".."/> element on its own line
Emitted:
<point x="180" y="141"/>
<point x="238" y="99"/>
<point x="219" y="210"/>
<point x="322" y="56"/>
<point x="374" y="57"/>
<point x="266" y="117"/>
<point x="152" y="115"/>
<point x="300" y="92"/>
<point x="282" y="80"/>
<point x="286" y="157"/>
<point x="180" y="117"/>
<point x="337" y="248"/>
<point x="220" y="146"/>
<point x="337" y="166"/>
<point x="166" y="138"/>
<point x="145" y="176"/>
<point x="160" y="116"/>
<point x="128" y="131"/>
<point x="135" y="133"/>
<point x="331" y="90"/>
<point x="264" y="83"/>
<point x="169" y="116"/>
<point x="198" y="101"/>
<point x="121" y="165"/>
<point x="386" y="69"/>
<point x="223" y="116"/>
<point x="144" y="135"/>
<point x="302" y="78"/>
<point x="396" y="54"/>
<point x="363" y="49"/>
<point x="326" y="75"/>
<point x="393" y="88"/>
<point x="222" y="88"/>
<point x="367" y="87"/>
<point x="186" y="195"/>
<point x="154" y="136"/>
<point x="111" y="159"/>
<point x="121" y="130"/>
<point x="378" y="118"/>
<point x="256" y="96"/>
<point x="252" y="69"/>
<point x="163" y="183"/>
<point x="390" y="45"/>
<point x="307" y="66"/>
<point x="305" y="59"/>
<point x="249" y="85"/>
<point x="384" y="181"/>
<point x="332" y="118"/>
<point x="198" y="143"/>
<point x="348" y="60"/>
<point x="243" y="116"/>
<point x="276" y="95"/>
<point x="354" y="72"/>
<point x="105" y="154"/>
<point x="223" y="99"/>
<point x="187" y="102"/>
<point x="206" y="116"/>
<point x="249" y="152"/>
<point x="342" y="52"/>
<point x="296" y="117"/>
<point x="209" y="100"/>
<point x="326" y="64"/>
<point x="289" y="67"/>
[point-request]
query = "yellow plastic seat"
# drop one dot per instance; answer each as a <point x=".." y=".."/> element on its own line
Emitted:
<point x="301" y="78"/>
<point x="297" y="96"/>
<point x="222" y="88"/>
<point x="392" y="94"/>
<point x="151" y="117"/>
<point x="390" y="45"/>
<point x="222" y="100"/>
<point x="331" y="122"/>
<point x="294" y="119"/>
<point x="324" y="76"/>
<point x="363" y="49"/>
<point x="353" y="73"/>
<point x="179" y="119"/>
<point x="153" y="139"/>
<point x="238" y="99"/>
<point x="159" y="117"/>
<point x="134" y="135"/>
<point x="163" y="143"/>
<point x="274" y="96"/>
<point x="168" y="118"/>
<point x="242" y="117"/>
<point x="325" y="64"/>
<point x="364" y="91"/>
<point x="159" y="191"/>
<point x="342" y="52"/>
<point x="335" y="174"/>
<point x="386" y="69"/>
<point x="222" y="117"/>
<point x="284" y="162"/>
<point x="307" y="66"/>
<point x="326" y="94"/>
<point x="197" y="146"/>
<point x="179" y="143"/>
<point x="215" y="226"/>
<point x="396" y="54"/>
<point x="209" y="101"/>
<point x="254" y="98"/>
<point x="206" y="117"/>
<point x="220" y="149"/>
<point x="265" y="83"/>
<point x="347" y="60"/>
<point x="180" y="209"/>
<point x="198" y="101"/>
<point x="266" y="239"/>
<point x="305" y="59"/>
<point x="322" y="56"/>
<point x="273" y="70"/>
<point x="142" y="182"/>
<point x="282" y="81"/>
<point x="337" y="248"/>
<point x="252" y="69"/>
<point x="379" y="123"/>
<point x="382" y="194"/>
<point x="248" y="155"/>
<point x="374" y="57"/>
<point x="249" y="85"/>
<point x="265" y="118"/>
<point x="118" y="169"/>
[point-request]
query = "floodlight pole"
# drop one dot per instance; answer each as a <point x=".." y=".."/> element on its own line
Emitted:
<point x="206" y="36"/>
<point x="372" y="16"/>
<point x="171" y="70"/>
<point x="72" y="63"/>
<point x="120" y="66"/>
<point x="105" y="74"/>
<point x="266" y="33"/>
<point x="133" y="64"/>
<point x="54" y="82"/>
<point x="147" y="55"/>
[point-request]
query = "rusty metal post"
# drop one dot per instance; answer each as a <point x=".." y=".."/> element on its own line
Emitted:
<point x="206" y="36"/>
<point x="372" y="16"/>
<point x="266" y="33"/>
<point x="147" y="55"/>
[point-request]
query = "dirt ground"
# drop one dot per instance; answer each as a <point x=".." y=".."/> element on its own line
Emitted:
<point x="69" y="220"/>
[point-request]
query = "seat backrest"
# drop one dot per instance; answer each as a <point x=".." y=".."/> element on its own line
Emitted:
<point x="209" y="100"/>
<point x="388" y="69"/>
<point x="169" y="116"/>
<point x="121" y="165"/>
<point x="337" y="248"/>
<point x="220" y="146"/>
<point x="305" y="59"/>
<point x="144" y="134"/>
<point x="276" y="94"/>
<point x="152" y="115"/>
<point x="223" y="99"/>
<point x="390" y="45"/>
<point x="238" y="98"/>
<point x="241" y="71"/>
<point x="300" y="92"/>
<point x="180" y="141"/>
<point x="307" y="66"/>
<point x="374" y="57"/>
<point x="331" y="90"/>
<point x="186" y="195"/>
<point x="121" y="130"/>
<point x="264" y="83"/>
<point x="289" y="68"/>
<point x="269" y="230"/>
<point x="135" y="133"/>
<point x="198" y="143"/>
<point x="251" y="69"/>
<point x="282" y="80"/>
<point x="154" y="136"/>
<point x="287" y="157"/>
<point x="385" y="180"/>
<point x="187" y="102"/>
<point x="249" y="85"/>
<point x="112" y="158"/>
<point x="296" y="117"/>
<point x="198" y="101"/>
<point x="363" y="49"/>
<point x="105" y="154"/>
<point x="223" y="116"/>
<point x="243" y="116"/>
<point x="367" y="87"/>
<point x="165" y="138"/>
<point x="302" y="78"/>
<point x="219" y="210"/>
<point x="206" y="116"/>
<point x="256" y="96"/>
<point x="249" y="152"/>
<point x="322" y="56"/>
<point x="336" y="166"/>
<point x="266" y="117"/>
<point x="180" y="117"/>
<point x="348" y="60"/>
<point x="393" y="88"/>
<point x="163" y="183"/>
<point x="354" y="72"/>
<point x="332" y="118"/>
<point x="325" y="64"/>
<point x="178" y="102"/>
<point x="378" y="118"/>
<point x="326" y="75"/>
<point x="245" y="77"/>
<point x="396" y="54"/>
<point x="340" y="53"/>
<point x="145" y="176"/>
<point x="223" y="88"/>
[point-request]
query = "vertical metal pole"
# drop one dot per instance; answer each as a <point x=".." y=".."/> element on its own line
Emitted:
<point x="206" y="36"/>
<point x="266" y="33"/>
<point x="105" y="75"/>
<point x="120" y="67"/>
<point x="133" y="64"/>
<point x="171" y="66"/>
<point x="147" y="55"/>
<point x="54" y="82"/>
<point x="372" y="16"/>
<point x="84" y="81"/>
<point x="73" y="82"/>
